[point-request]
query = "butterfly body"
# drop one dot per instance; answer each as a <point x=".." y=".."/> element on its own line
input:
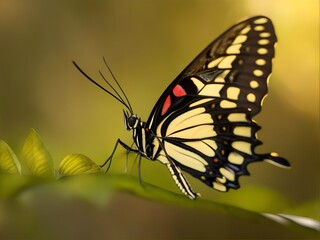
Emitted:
<point x="202" y="123"/>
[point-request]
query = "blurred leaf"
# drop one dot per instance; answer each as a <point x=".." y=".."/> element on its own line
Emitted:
<point x="296" y="221"/>
<point x="307" y="209"/>
<point x="92" y="188"/>
<point x="268" y="201"/>
<point x="11" y="185"/>
<point x="36" y="157"/>
<point x="74" y="164"/>
<point x="98" y="189"/>
<point x="9" y="162"/>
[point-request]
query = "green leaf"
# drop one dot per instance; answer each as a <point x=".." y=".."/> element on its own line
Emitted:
<point x="309" y="209"/>
<point x="98" y="190"/>
<point x="37" y="160"/>
<point x="269" y="200"/>
<point x="75" y="164"/>
<point x="9" y="162"/>
<point x="12" y="185"/>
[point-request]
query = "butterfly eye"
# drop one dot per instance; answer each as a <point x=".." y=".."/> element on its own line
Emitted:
<point x="131" y="122"/>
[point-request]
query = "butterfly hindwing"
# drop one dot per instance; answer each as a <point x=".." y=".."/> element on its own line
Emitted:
<point x="203" y="120"/>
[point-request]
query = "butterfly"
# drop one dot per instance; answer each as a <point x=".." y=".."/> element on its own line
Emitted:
<point x="202" y="123"/>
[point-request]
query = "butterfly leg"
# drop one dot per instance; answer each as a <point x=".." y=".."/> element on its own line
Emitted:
<point x="125" y="146"/>
<point x="181" y="181"/>
<point x="127" y="157"/>
<point x="139" y="170"/>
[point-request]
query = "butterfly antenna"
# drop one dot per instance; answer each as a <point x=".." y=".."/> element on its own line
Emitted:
<point x="101" y="87"/>
<point x="124" y="94"/>
<point x="109" y="84"/>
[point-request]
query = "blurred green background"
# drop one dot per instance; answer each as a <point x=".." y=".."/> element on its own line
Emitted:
<point x="147" y="44"/>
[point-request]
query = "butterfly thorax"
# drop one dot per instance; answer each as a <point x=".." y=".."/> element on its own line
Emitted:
<point x="142" y="136"/>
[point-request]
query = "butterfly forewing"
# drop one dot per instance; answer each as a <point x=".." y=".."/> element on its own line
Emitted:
<point x="203" y="121"/>
<point x="241" y="56"/>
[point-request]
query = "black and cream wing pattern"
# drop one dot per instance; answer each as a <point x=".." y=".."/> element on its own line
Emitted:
<point x="202" y="124"/>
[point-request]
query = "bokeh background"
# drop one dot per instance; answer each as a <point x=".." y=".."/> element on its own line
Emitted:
<point x="147" y="44"/>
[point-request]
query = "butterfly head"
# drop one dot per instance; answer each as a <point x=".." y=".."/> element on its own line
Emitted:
<point x="131" y="120"/>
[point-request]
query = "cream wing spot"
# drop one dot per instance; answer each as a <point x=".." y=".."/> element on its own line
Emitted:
<point x="215" y="62"/>
<point x="257" y="73"/>
<point x="262" y="51"/>
<point x="260" y="62"/>
<point x="237" y="117"/>
<point x="233" y="93"/>
<point x="240" y="61"/>
<point x="259" y="28"/>
<point x="265" y="34"/>
<point x="227" y="62"/>
<point x="211" y="90"/>
<point x="242" y="147"/>
<point x="219" y="187"/>
<point x="245" y="30"/>
<point x="234" y="49"/>
<point x="261" y="21"/>
<point x="263" y="42"/>
<point x="235" y="158"/>
<point x="240" y="39"/>
<point x="242" y="131"/>
<point x="254" y="84"/>
<point x="251" y="97"/>
<point x="228" y="173"/>
<point x="227" y="104"/>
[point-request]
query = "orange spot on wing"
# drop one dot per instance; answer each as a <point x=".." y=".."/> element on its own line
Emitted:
<point x="178" y="91"/>
<point x="166" y="105"/>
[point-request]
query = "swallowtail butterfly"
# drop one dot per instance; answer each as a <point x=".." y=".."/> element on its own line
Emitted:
<point x="202" y="123"/>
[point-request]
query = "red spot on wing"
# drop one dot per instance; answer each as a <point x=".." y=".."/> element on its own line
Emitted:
<point x="166" y="105"/>
<point x="178" y="91"/>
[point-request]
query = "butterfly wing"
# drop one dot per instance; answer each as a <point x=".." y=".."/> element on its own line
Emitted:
<point x="242" y="49"/>
<point x="203" y="121"/>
